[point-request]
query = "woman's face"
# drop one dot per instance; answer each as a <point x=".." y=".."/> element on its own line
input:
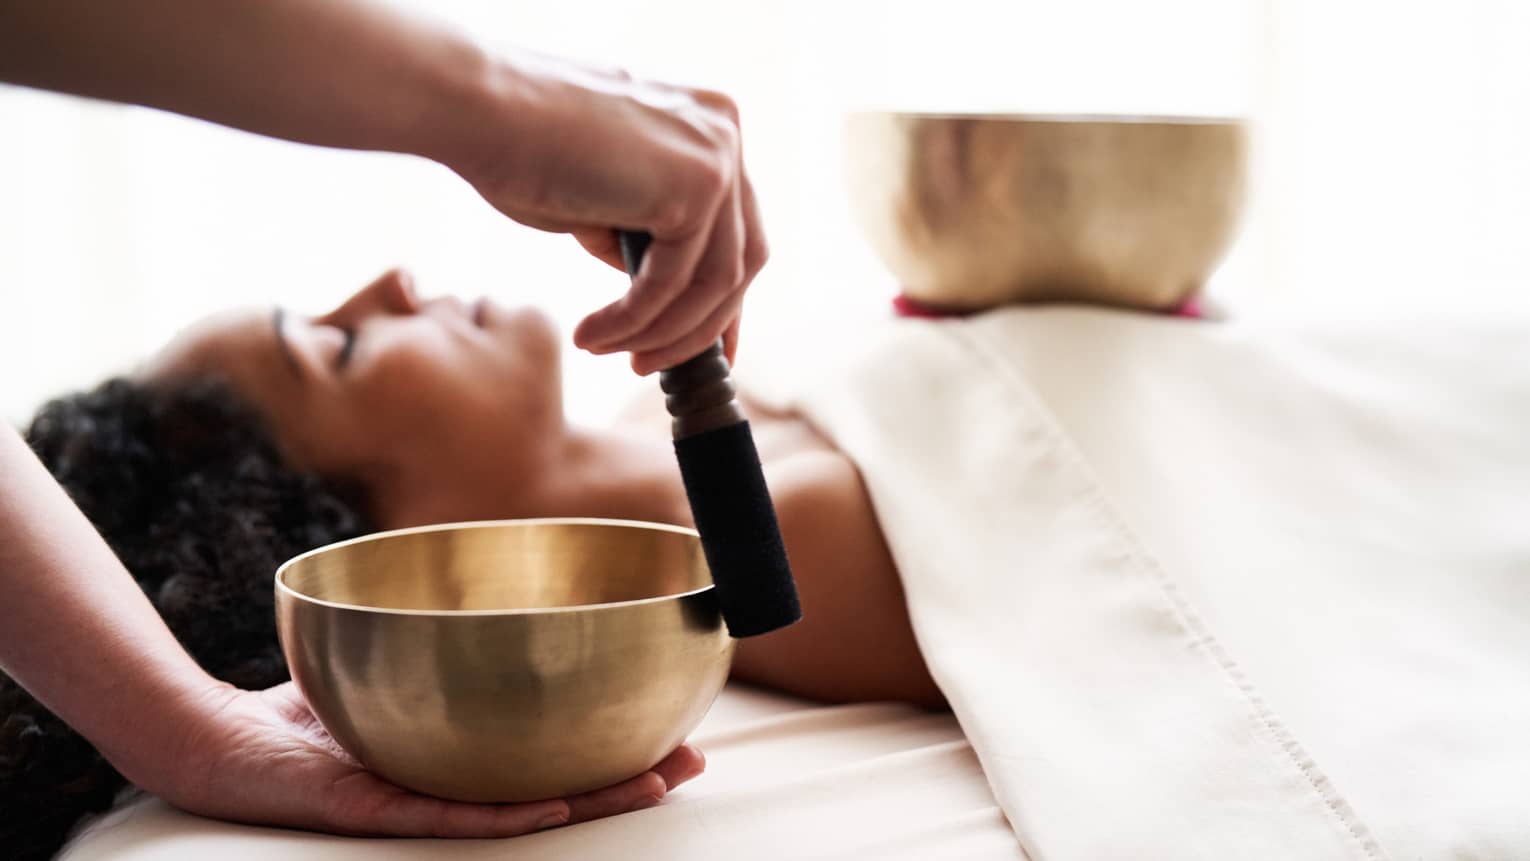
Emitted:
<point x="388" y="390"/>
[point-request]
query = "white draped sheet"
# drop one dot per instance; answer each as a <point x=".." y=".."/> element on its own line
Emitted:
<point x="1194" y="591"/>
<point x="1215" y="591"/>
<point x="785" y="779"/>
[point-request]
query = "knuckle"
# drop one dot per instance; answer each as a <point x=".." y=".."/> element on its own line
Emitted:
<point x="654" y="334"/>
<point x="729" y="277"/>
<point x="640" y="312"/>
<point x="713" y="287"/>
<point x="673" y="215"/>
<point x="628" y="312"/>
<point x="712" y="177"/>
<point x="654" y="339"/>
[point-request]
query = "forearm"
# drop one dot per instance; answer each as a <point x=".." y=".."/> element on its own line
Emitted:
<point x="342" y="73"/>
<point x="77" y="632"/>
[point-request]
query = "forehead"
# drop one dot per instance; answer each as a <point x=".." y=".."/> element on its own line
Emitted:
<point x="221" y="344"/>
<point x="238" y="347"/>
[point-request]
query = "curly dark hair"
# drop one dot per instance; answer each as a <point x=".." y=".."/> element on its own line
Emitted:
<point x="190" y="490"/>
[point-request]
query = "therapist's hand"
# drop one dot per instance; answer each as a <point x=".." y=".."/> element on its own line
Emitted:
<point x="552" y="144"/>
<point x="584" y="150"/>
<point x="264" y="758"/>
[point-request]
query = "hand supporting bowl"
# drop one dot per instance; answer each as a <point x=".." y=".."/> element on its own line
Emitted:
<point x="506" y="661"/>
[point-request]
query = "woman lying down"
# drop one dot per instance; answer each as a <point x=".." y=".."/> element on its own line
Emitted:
<point x="258" y="434"/>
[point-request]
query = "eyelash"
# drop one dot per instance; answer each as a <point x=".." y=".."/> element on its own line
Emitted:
<point x="346" y="348"/>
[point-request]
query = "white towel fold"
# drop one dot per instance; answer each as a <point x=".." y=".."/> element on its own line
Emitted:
<point x="1215" y="591"/>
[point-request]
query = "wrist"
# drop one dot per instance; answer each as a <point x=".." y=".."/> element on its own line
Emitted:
<point x="470" y="127"/>
<point x="164" y="747"/>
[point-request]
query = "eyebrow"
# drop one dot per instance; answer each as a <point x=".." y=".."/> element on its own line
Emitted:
<point x="278" y="317"/>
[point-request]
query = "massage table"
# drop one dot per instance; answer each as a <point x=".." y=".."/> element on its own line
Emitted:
<point x="1193" y="590"/>
<point x="785" y="778"/>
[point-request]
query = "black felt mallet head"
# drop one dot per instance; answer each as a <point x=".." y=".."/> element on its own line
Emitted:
<point x="725" y="486"/>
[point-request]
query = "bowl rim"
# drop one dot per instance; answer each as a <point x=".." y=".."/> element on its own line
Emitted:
<point x="1059" y="117"/>
<point x="283" y="588"/>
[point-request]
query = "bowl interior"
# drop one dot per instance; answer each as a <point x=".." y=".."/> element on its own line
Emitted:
<point x="508" y="566"/>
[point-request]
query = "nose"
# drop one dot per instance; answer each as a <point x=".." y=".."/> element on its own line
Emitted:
<point x="449" y="305"/>
<point x="391" y="294"/>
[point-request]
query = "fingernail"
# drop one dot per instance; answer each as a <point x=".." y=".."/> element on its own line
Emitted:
<point x="647" y="802"/>
<point x="553" y="821"/>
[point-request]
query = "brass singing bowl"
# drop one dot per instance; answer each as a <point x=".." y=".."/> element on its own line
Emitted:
<point x="510" y="660"/>
<point x="975" y="210"/>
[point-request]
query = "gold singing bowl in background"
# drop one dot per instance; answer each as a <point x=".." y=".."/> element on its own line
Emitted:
<point x="506" y="661"/>
<point x="971" y="211"/>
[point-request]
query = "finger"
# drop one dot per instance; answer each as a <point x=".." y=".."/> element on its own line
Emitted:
<point x="756" y="252"/>
<point x="602" y="244"/>
<point x="691" y="345"/>
<point x="719" y="275"/>
<point x="685" y="764"/>
<point x="670" y="267"/>
<point x="645" y="790"/>
<point x="730" y="340"/>
<point x="365" y="804"/>
<point x="667" y="271"/>
<point x="756" y="247"/>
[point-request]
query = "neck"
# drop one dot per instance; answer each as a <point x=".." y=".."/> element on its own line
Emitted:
<point x="581" y="472"/>
<point x="613" y="473"/>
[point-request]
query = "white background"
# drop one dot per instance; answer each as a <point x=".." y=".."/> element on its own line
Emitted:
<point x="1392" y="168"/>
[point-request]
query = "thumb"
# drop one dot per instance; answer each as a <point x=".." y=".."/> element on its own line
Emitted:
<point x="602" y="244"/>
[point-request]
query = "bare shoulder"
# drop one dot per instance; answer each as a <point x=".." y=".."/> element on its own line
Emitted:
<point x="855" y="642"/>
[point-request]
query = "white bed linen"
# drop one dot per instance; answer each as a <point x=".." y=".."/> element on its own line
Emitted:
<point x="1213" y="590"/>
<point x="1194" y="590"/>
<point x="785" y="779"/>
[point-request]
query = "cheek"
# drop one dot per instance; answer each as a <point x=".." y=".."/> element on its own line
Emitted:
<point x="424" y="390"/>
<point x="534" y="329"/>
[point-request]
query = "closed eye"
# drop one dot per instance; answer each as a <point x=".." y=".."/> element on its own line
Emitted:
<point x="346" y="348"/>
